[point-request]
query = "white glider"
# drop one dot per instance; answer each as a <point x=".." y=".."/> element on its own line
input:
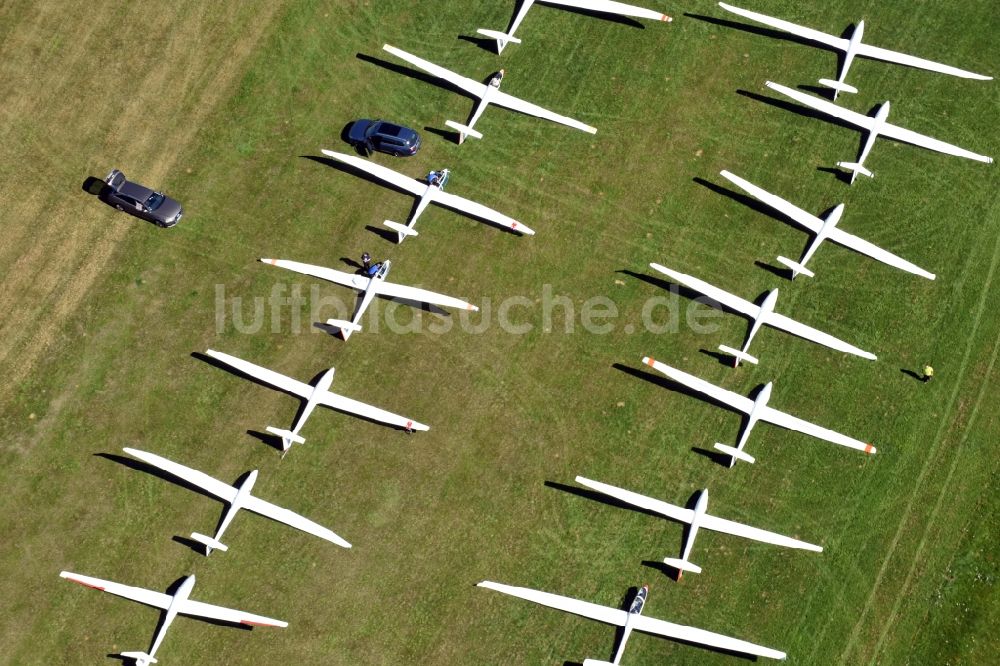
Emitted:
<point x="369" y="288"/>
<point x="632" y="619"/>
<point x="875" y="126"/>
<point x="756" y="410"/>
<point x="822" y="229"/>
<point x="695" y="518"/>
<point x="172" y="604"/>
<point x="487" y="94"/>
<point x="238" y="497"/>
<point x="761" y="314"/>
<point x="427" y="192"/>
<point x="605" y="6"/>
<point x="852" y="47"/>
<point x="313" y="395"/>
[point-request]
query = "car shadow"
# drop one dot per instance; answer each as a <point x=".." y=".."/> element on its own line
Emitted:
<point x="95" y="187"/>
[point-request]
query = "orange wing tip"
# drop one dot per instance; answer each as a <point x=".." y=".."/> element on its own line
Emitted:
<point x="869" y="449"/>
<point x="666" y="18"/>
<point x="80" y="582"/>
<point x="261" y="624"/>
<point x="649" y="361"/>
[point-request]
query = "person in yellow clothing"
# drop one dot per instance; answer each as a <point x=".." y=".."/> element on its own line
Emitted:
<point x="928" y="374"/>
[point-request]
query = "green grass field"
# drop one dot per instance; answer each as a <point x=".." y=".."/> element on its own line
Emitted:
<point x="222" y="104"/>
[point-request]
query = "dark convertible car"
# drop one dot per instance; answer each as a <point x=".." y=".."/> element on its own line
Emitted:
<point x="385" y="137"/>
<point x="139" y="200"/>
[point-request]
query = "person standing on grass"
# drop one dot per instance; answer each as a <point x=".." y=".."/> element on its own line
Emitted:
<point x="928" y="374"/>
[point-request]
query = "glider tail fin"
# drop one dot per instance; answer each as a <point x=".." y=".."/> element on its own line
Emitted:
<point x="287" y="436"/>
<point x="209" y="543"/>
<point x="681" y="565"/>
<point x="141" y="658"/>
<point x="795" y="267"/>
<point x="736" y="454"/>
<point x="738" y="355"/>
<point x="463" y="130"/>
<point x="400" y="229"/>
<point x="855" y="168"/>
<point x="502" y="38"/>
<point x="346" y="328"/>
<point x="838" y="86"/>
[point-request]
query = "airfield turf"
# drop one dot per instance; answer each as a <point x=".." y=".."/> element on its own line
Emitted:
<point x="226" y="106"/>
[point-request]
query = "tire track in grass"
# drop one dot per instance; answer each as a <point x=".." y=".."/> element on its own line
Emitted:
<point x="927" y="466"/>
<point x="94" y="263"/>
<point x="946" y="486"/>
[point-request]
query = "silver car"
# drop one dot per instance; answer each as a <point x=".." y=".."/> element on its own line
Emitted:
<point x="139" y="200"/>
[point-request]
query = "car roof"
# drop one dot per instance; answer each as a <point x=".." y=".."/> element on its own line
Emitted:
<point x="135" y="190"/>
<point x="390" y="129"/>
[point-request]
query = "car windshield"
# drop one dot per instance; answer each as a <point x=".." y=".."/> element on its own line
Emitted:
<point x="154" y="201"/>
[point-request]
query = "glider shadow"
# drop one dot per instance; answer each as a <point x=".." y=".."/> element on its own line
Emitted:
<point x="302" y="401"/>
<point x="758" y="30"/>
<point x="140" y="466"/>
<point x="417" y="74"/>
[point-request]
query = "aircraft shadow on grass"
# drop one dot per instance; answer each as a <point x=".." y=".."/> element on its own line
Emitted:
<point x="764" y="209"/>
<point x="142" y="466"/>
<point x="786" y="36"/>
<point x="812" y="113"/>
<point x="688" y="293"/>
<point x="205" y="358"/>
<point x="415" y="74"/>
<point x="670" y="385"/>
<point x="596" y="496"/>
<point x="171" y="590"/>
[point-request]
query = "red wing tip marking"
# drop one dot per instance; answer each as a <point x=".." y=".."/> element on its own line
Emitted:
<point x="80" y="582"/>
<point x="409" y="425"/>
<point x="514" y="225"/>
<point x="666" y="18"/>
<point x="869" y="448"/>
<point x="258" y="624"/>
<point x="649" y="361"/>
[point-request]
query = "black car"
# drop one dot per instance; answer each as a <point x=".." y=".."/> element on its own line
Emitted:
<point x="385" y="137"/>
<point x="138" y="200"/>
